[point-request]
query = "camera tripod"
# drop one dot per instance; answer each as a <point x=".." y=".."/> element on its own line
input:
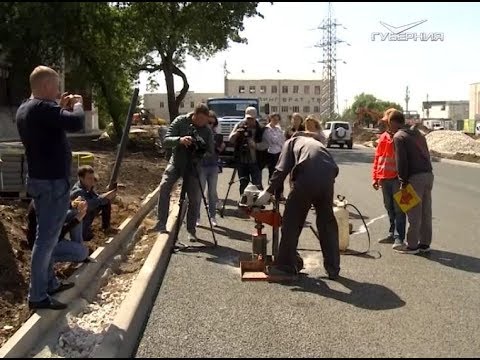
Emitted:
<point x="230" y="183"/>
<point x="190" y="170"/>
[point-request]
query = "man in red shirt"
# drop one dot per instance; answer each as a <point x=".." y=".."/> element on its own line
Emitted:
<point x="385" y="176"/>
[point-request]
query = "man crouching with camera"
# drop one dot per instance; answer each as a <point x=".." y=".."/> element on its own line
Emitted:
<point x="190" y="139"/>
<point x="247" y="137"/>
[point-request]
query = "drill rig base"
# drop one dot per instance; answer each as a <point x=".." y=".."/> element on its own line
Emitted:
<point x="255" y="270"/>
<point x="253" y="267"/>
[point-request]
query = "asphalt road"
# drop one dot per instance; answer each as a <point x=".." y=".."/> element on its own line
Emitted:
<point x="395" y="306"/>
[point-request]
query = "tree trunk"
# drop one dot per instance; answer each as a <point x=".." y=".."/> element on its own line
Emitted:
<point x="185" y="87"/>
<point x="168" y="72"/>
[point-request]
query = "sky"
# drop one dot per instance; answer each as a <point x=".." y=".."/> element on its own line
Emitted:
<point x="284" y="40"/>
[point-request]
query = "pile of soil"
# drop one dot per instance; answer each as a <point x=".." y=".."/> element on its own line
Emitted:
<point x="361" y="135"/>
<point x="140" y="174"/>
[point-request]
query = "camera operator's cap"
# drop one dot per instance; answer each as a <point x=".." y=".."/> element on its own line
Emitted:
<point x="250" y="112"/>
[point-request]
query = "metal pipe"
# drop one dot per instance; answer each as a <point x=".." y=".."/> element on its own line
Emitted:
<point x="123" y="143"/>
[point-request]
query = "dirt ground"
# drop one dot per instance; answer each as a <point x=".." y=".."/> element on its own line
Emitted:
<point x="140" y="174"/>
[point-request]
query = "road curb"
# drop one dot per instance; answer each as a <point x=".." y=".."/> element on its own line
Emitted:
<point x="455" y="162"/>
<point x="25" y="338"/>
<point x="121" y="337"/>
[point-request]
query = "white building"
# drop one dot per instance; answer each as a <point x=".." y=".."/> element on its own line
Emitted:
<point x="284" y="96"/>
<point x="157" y="103"/>
<point x="446" y="110"/>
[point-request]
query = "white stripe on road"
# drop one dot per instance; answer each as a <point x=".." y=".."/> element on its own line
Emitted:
<point x="362" y="228"/>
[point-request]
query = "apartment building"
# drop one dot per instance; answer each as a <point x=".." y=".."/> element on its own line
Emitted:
<point x="157" y="103"/>
<point x="283" y="95"/>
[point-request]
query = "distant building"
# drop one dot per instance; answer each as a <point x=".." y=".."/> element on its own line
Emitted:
<point x="157" y="103"/>
<point x="474" y="108"/>
<point x="283" y="96"/>
<point x="447" y="110"/>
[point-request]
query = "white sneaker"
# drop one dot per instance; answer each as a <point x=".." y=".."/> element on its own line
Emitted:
<point x="198" y="222"/>
<point x="214" y="222"/>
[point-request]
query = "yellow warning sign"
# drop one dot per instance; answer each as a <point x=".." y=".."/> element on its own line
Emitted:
<point x="407" y="198"/>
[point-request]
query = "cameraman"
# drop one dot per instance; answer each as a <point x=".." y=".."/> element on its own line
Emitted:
<point x="246" y="137"/>
<point x="190" y="138"/>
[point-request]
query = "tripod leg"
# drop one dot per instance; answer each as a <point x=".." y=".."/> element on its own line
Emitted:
<point x="180" y="216"/>
<point x="232" y="181"/>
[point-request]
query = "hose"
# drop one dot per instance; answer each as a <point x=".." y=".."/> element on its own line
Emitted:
<point x="358" y="253"/>
<point x="353" y="252"/>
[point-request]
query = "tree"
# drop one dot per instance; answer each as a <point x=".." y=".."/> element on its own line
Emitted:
<point x="366" y="108"/>
<point x="95" y="40"/>
<point x="173" y="30"/>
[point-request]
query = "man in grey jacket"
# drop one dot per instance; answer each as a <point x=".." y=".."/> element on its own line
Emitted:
<point x="313" y="172"/>
<point x="179" y="138"/>
<point x="414" y="167"/>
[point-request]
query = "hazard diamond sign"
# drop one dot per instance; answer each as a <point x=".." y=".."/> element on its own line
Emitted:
<point x="407" y="198"/>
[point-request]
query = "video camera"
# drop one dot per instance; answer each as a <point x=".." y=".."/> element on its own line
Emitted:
<point x="199" y="147"/>
<point x="246" y="131"/>
<point x="243" y="139"/>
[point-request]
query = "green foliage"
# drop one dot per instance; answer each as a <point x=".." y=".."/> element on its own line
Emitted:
<point x="105" y="45"/>
<point x="367" y="101"/>
<point x="176" y="29"/>
<point x="94" y="38"/>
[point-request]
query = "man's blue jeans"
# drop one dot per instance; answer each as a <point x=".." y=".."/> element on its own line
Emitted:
<point x="396" y="216"/>
<point x="209" y="175"/>
<point x="71" y="250"/>
<point x="51" y="199"/>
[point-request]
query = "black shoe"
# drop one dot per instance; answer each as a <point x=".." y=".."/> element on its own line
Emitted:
<point x="281" y="270"/>
<point x="333" y="276"/>
<point x="424" y="248"/>
<point x="48" y="303"/>
<point x="62" y="287"/>
<point x="390" y="239"/>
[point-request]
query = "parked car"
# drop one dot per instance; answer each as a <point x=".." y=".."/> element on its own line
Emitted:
<point x="339" y="133"/>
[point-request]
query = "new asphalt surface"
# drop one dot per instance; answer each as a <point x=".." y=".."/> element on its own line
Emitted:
<point x="394" y="305"/>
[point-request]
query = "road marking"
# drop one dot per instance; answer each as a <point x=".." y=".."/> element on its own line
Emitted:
<point x="362" y="228"/>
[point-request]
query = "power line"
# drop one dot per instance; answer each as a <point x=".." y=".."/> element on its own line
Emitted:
<point x="329" y="94"/>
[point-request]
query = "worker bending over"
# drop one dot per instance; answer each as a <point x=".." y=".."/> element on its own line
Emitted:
<point x="313" y="172"/>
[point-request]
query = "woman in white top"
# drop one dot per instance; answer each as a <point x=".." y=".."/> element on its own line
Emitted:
<point x="274" y="138"/>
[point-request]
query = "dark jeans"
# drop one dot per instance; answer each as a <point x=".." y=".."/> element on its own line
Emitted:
<point x="396" y="216"/>
<point x="105" y="211"/>
<point x="272" y="162"/>
<point x="298" y="204"/>
<point x="249" y="173"/>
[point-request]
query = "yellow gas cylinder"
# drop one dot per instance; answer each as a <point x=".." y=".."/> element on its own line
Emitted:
<point x="343" y="216"/>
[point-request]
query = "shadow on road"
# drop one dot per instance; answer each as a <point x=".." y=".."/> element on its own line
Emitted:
<point x="363" y="156"/>
<point x="220" y="254"/>
<point x="456" y="261"/>
<point x="363" y="295"/>
<point x="230" y="233"/>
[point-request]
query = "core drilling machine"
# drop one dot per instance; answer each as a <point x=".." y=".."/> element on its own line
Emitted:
<point x="253" y="267"/>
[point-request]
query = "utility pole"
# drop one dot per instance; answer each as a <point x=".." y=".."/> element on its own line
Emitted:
<point x="225" y="78"/>
<point x="428" y="108"/>
<point x="407" y="98"/>
<point x="328" y="92"/>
